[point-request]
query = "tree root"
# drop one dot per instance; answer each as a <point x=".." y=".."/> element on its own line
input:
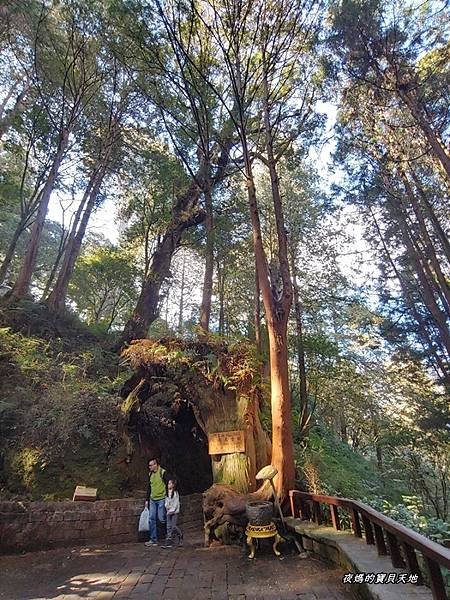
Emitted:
<point x="222" y="505"/>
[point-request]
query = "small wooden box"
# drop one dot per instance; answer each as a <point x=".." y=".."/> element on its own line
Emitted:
<point x="85" y="493"/>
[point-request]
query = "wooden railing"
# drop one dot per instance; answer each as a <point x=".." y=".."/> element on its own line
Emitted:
<point x="389" y="536"/>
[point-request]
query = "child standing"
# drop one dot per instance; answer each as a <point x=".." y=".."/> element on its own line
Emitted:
<point x="172" y="504"/>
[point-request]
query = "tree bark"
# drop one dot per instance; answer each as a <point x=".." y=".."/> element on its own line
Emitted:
<point x="427" y="293"/>
<point x="10" y="115"/>
<point x="277" y="314"/>
<point x="306" y="411"/>
<point x="56" y="299"/>
<point x="205" y="308"/>
<point x="6" y="99"/>
<point x="221" y="285"/>
<point x="436" y="144"/>
<point x="379" y="454"/>
<point x="61" y="247"/>
<point x="276" y="318"/>
<point x="440" y="233"/>
<point x="22" y="285"/>
<point x="181" y="303"/>
<point x="11" y="249"/>
<point x="440" y="366"/>
<point x="187" y="213"/>
<point x="441" y="283"/>
<point x="257" y="315"/>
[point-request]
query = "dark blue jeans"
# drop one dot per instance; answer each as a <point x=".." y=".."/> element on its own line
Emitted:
<point x="157" y="511"/>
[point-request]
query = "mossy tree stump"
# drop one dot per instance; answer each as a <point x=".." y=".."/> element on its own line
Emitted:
<point x="219" y="383"/>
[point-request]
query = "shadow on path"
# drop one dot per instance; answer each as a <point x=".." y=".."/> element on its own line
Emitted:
<point x="192" y="572"/>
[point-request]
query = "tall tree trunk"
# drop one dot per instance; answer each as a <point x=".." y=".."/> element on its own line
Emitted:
<point x="57" y="298"/>
<point x="379" y="454"/>
<point x="440" y="366"/>
<point x="61" y="247"/>
<point x="186" y="214"/>
<point x="440" y="233"/>
<point x="277" y="315"/>
<point x="6" y="99"/>
<point x="27" y="210"/>
<point x="276" y="319"/>
<point x="441" y="283"/>
<point x="11" y="249"/>
<point x="426" y="291"/>
<point x="299" y="341"/>
<point x="221" y="285"/>
<point x="428" y="296"/>
<point x="422" y="259"/>
<point x="167" y="313"/>
<point x="306" y="411"/>
<point x="181" y="303"/>
<point x="257" y="314"/>
<point x="437" y="146"/>
<point x="10" y="115"/>
<point x="205" y="308"/>
<point x="22" y="285"/>
<point x="68" y="242"/>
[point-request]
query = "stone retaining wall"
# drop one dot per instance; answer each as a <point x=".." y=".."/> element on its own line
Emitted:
<point x="26" y="526"/>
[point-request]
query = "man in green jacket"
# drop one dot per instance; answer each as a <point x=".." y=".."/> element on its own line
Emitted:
<point x="157" y="492"/>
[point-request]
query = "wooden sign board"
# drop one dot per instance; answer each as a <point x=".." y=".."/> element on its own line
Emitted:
<point x="226" y="442"/>
<point x="85" y="493"/>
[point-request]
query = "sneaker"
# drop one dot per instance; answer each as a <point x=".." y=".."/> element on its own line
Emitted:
<point x="150" y="543"/>
<point x="167" y="544"/>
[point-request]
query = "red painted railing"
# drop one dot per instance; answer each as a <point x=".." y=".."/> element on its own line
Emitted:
<point x="389" y="536"/>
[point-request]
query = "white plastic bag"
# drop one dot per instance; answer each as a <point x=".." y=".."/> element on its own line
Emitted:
<point x="143" y="521"/>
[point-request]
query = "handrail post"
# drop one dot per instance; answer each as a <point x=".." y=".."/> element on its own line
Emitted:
<point x="307" y="511"/>
<point x="412" y="562"/>
<point x="303" y="510"/>
<point x="355" y="522"/>
<point x="368" y="530"/>
<point x="317" y="513"/>
<point x="394" y="550"/>
<point x="379" y="539"/>
<point x="292" y="502"/>
<point x="335" y="517"/>
<point x="436" y="580"/>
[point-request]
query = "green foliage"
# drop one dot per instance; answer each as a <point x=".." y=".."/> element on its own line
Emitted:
<point x="59" y="416"/>
<point x="103" y="287"/>
<point x="410" y="512"/>
<point x="330" y="466"/>
<point x="216" y="364"/>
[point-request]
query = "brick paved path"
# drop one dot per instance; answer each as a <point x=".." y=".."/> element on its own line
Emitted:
<point x="189" y="573"/>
